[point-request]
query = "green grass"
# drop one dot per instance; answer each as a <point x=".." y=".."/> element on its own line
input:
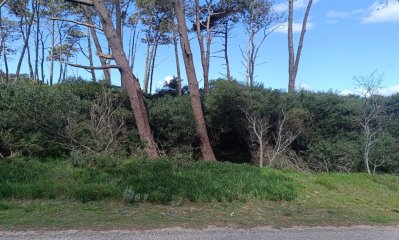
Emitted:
<point x="162" y="180"/>
<point x="192" y="195"/>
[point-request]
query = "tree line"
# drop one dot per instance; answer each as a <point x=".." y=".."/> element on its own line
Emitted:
<point x="265" y="126"/>
<point x="308" y="131"/>
<point x="162" y="20"/>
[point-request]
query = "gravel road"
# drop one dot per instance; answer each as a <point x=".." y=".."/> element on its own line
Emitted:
<point x="325" y="233"/>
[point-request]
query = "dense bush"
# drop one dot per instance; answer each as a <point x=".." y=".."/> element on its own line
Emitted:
<point x="67" y="120"/>
<point x="173" y="125"/>
<point x="33" y="118"/>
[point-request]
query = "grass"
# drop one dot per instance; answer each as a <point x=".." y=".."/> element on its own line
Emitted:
<point x="315" y="199"/>
<point x="163" y="181"/>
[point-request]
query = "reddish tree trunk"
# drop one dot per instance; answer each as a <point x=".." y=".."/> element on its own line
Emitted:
<point x="130" y="81"/>
<point x="206" y="148"/>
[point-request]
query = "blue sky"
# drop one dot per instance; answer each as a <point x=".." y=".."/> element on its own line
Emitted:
<point x="345" y="38"/>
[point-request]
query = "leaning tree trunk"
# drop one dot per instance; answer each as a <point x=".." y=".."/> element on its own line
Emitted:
<point x="292" y="60"/>
<point x="206" y="148"/>
<point x="130" y="81"/>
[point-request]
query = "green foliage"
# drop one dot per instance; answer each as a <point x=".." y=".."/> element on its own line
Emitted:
<point x="33" y="118"/>
<point x="39" y="120"/>
<point x="73" y="120"/>
<point x="173" y="125"/>
<point x="334" y="156"/>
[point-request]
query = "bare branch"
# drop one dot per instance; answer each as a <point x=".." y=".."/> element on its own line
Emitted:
<point x="84" y="2"/>
<point x="2" y="3"/>
<point x="77" y="22"/>
<point x="92" y="68"/>
<point x="104" y="55"/>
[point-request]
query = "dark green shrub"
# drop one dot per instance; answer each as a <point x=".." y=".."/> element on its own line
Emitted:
<point x="173" y="125"/>
<point x="33" y="118"/>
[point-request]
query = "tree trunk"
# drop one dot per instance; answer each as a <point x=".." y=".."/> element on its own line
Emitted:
<point x="208" y="48"/>
<point x="130" y="81"/>
<point x="52" y="51"/>
<point x="205" y="145"/>
<point x="36" y="73"/>
<point x="60" y="53"/>
<point x="118" y="19"/>
<point x="26" y="42"/>
<point x="31" y="75"/>
<point x="93" y="74"/>
<point x="147" y="64"/>
<point x="204" y="53"/>
<point x="42" y="58"/>
<point x="261" y="151"/>
<point x="294" y="61"/>
<point x="249" y="74"/>
<point x="89" y="20"/>
<point x="4" y="48"/>
<point x="154" y="56"/>
<point x="225" y="47"/>
<point x="64" y="74"/>
<point x="133" y="46"/>
<point x="179" y="89"/>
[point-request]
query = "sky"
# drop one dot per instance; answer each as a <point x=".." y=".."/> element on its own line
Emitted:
<point x="344" y="39"/>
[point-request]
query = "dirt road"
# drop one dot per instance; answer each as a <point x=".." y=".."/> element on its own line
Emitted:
<point x="212" y="233"/>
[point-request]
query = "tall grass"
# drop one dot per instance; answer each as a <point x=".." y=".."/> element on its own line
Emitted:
<point x="162" y="180"/>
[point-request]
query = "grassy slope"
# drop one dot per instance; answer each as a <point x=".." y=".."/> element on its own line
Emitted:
<point x="323" y="199"/>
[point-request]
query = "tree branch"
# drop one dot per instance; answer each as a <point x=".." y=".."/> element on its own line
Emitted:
<point x="2" y="3"/>
<point x="77" y="22"/>
<point x="84" y="2"/>
<point x="103" y="55"/>
<point x="91" y="68"/>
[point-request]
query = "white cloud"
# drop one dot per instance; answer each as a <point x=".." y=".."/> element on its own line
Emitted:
<point x="387" y="91"/>
<point x="335" y="15"/>
<point x="296" y="27"/>
<point x="299" y="4"/>
<point x="305" y="87"/>
<point x="379" y="12"/>
<point x="390" y="90"/>
<point x="167" y="79"/>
